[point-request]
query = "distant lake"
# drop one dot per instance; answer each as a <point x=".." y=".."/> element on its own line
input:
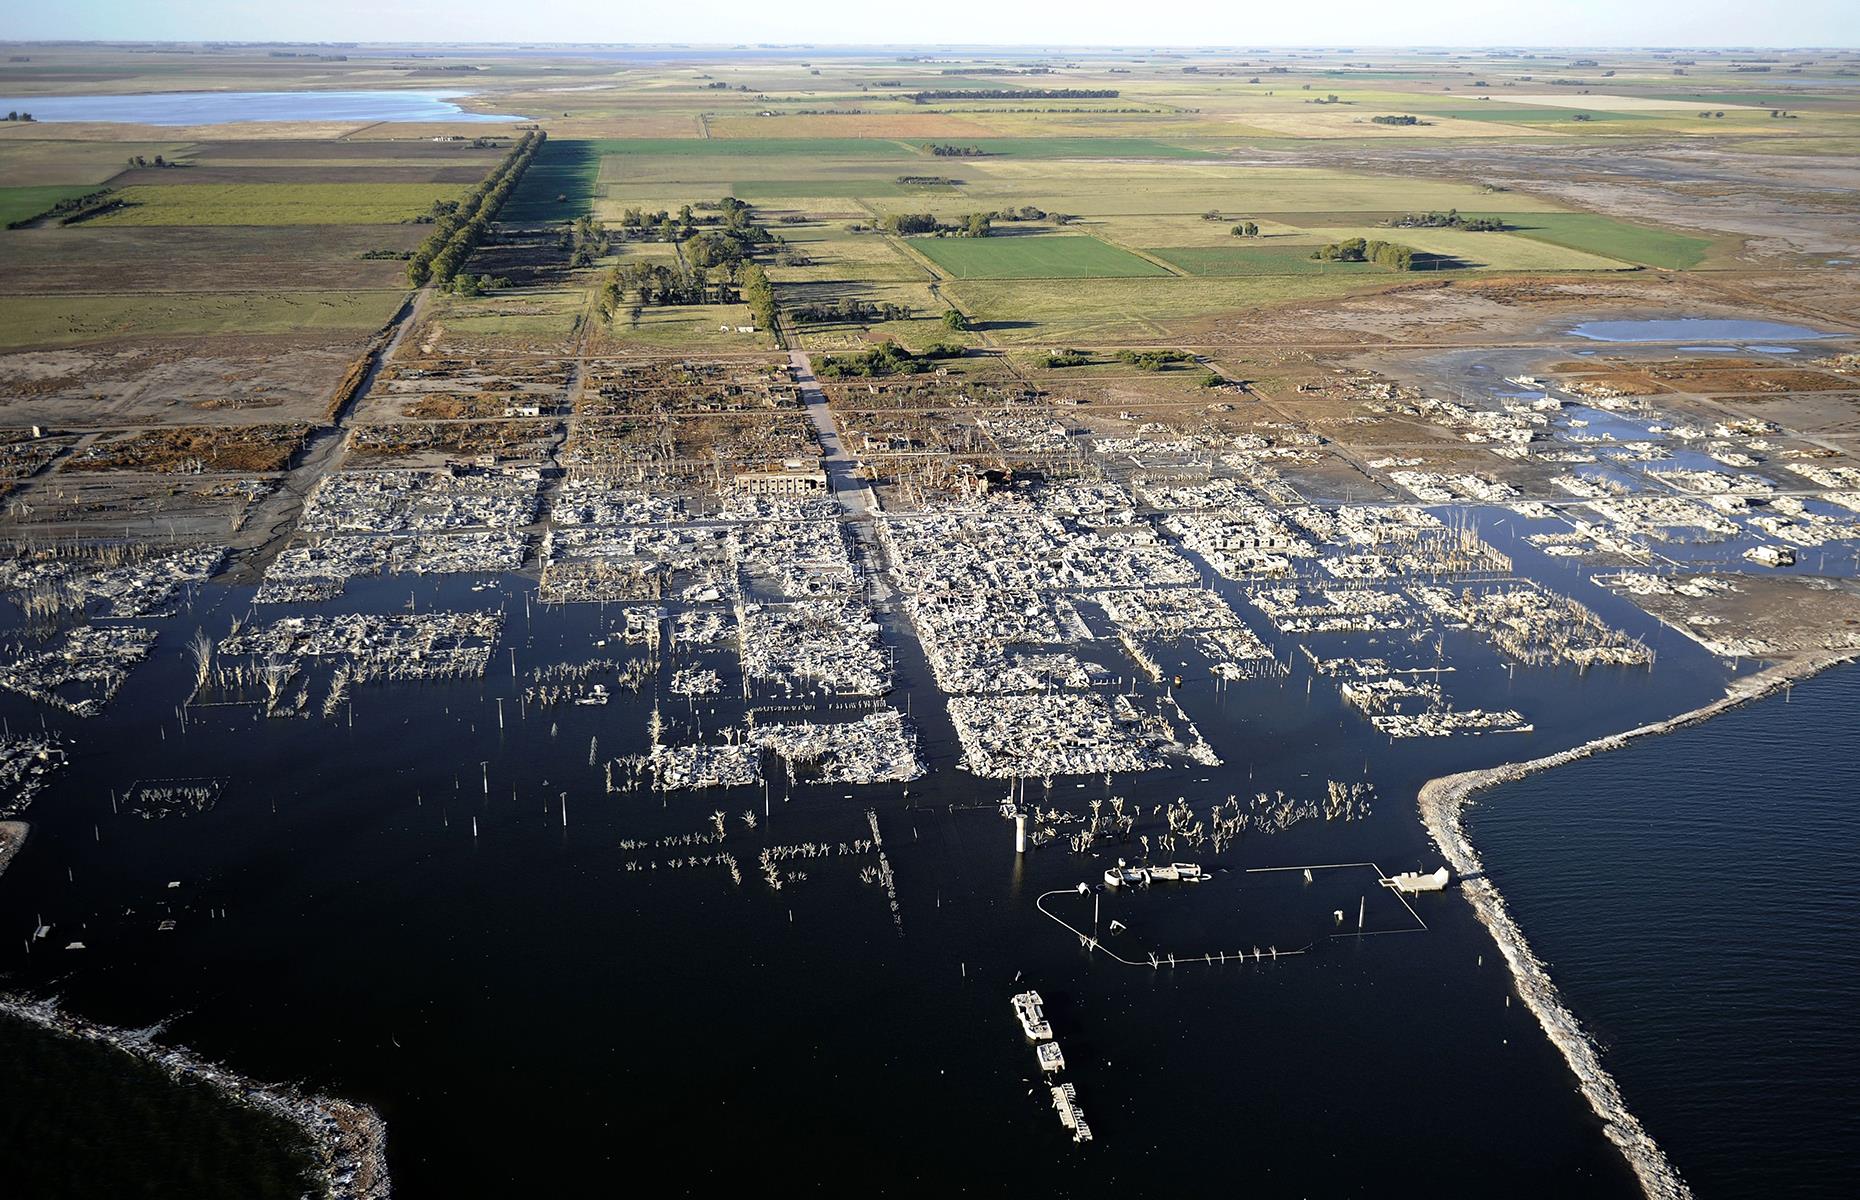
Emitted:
<point x="1694" y="329"/>
<point x="215" y="108"/>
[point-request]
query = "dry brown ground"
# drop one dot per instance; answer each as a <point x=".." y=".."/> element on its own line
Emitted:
<point x="194" y="449"/>
<point x="217" y="259"/>
<point x="250" y="380"/>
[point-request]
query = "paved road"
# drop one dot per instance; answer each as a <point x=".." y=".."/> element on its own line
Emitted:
<point x="853" y="493"/>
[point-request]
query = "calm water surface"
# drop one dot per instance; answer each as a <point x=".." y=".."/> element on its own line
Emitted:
<point x="1695" y="896"/>
<point x="215" y="108"/>
<point x="532" y="1017"/>
<point x="1702" y="329"/>
<point x="520" y="992"/>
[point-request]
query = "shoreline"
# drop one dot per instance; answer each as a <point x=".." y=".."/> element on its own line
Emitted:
<point x="348" y="1140"/>
<point x="1442" y="803"/>
<point x="13" y="835"/>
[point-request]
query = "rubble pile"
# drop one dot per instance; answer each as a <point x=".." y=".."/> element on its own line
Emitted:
<point x="106" y="581"/>
<point x="27" y="764"/>
<point x="878" y="748"/>
<point x="84" y="673"/>
<point x="404" y="500"/>
<point x="1536" y="626"/>
<point x="1068" y="733"/>
<point x="825" y="645"/>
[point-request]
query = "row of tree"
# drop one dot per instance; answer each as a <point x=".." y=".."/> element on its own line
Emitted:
<point x="1451" y="219"/>
<point x="935" y="97"/>
<point x="888" y="358"/>
<point x="456" y="234"/>
<point x="979" y="224"/>
<point x="849" y="310"/>
<point x="1154" y="360"/>
<point x="665" y="283"/>
<point x="759" y="294"/>
<point x="585" y="241"/>
<point x="1387" y="254"/>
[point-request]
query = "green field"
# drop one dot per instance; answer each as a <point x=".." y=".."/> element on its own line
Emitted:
<point x="1080" y="147"/>
<point x="22" y="203"/>
<point x="1609" y="238"/>
<point x="559" y="184"/>
<point x="1033" y="256"/>
<point x="756" y="147"/>
<point x="1148" y="311"/>
<point x="1256" y="260"/>
<point x="835" y="189"/>
<point x="278" y="203"/>
<point x="63" y="320"/>
<point x="1003" y="147"/>
<point x="1513" y="114"/>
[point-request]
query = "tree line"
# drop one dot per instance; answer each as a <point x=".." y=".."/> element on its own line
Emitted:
<point x="1451" y="219"/>
<point x="666" y="283"/>
<point x="850" y="311"/>
<point x="1387" y="254"/>
<point x="975" y="224"/>
<point x="457" y="233"/>
<point x="888" y="358"/>
<point x="933" y="97"/>
<point x="916" y="224"/>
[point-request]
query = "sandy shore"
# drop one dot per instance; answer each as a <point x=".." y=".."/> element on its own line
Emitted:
<point x="12" y="837"/>
<point x="349" y="1140"/>
<point x="1443" y="802"/>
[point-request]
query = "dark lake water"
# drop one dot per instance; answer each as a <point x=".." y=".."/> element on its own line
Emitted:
<point x="520" y="992"/>
<point x="214" y="108"/>
<point x="1695" y="896"/>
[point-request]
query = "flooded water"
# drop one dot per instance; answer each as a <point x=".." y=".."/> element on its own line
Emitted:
<point x="1694" y="897"/>
<point x="1695" y="329"/>
<point x="215" y="108"/>
<point x="514" y="978"/>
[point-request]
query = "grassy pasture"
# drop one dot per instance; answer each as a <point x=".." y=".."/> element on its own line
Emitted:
<point x="561" y="168"/>
<point x="519" y="320"/>
<point x="755" y="147"/>
<point x="1033" y="256"/>
<point x="1356" y="123"/>
<point x="837" y="256"/>
<point x="211" y="258"/>
<point x="847" y="188"/>
<point x="695" y="328"/>
<point x="1256" y="259"/>
<point x="1082" y="147"/>
<point x="278" y="204"/>
<point x="1494" y="251"/>
<point x="21" y="203"/>
<point x="1517" y="115"/>
<point x="924" y="327"/>
<point x="31" y="161"/>
<point x="1134" y="311"/>
<point x="920" y="126"/>
<point x="1135" y="189"/>
<point x="855" y="147"/>
<point x="1601" y="235"/>
<point x="72" y="320"/>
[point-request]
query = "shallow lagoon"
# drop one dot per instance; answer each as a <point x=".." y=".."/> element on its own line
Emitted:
<point x="1700" y="329"/>
<point x="214" y="108"/>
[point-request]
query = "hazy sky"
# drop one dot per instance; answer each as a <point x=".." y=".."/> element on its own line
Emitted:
<point x="1353" y="23"/>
